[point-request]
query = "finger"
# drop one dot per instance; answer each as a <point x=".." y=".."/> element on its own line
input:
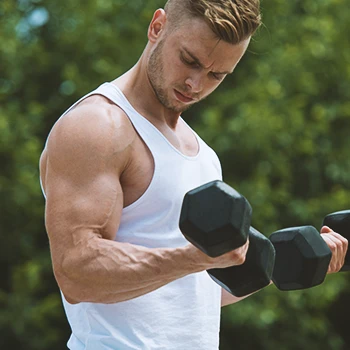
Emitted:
<point x="243" y="249"/>
<point x="338" y="253"/>
<point x="246" y="246"/>
<point x="343" y="246"/>
<point x="238" y="255"/>
<point x="342" y="239"/>
<point x="332" y="244"/>
<point x="325" y="229"/>
<point x="341" y="251"/>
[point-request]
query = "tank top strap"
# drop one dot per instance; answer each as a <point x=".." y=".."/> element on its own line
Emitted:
<point x="153" y="138"/>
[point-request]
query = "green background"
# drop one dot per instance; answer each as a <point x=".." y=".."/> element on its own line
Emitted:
<point x="280" y="126"/>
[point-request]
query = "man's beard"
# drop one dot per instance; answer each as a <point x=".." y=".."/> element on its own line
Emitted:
<point x="155" y="71"/>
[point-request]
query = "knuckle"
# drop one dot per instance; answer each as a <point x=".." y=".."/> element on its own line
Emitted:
<point x="332" y="246"/>
<point x="241" y="259"/>
<point x="342" y="244"/>
<point x="339" y="244"/>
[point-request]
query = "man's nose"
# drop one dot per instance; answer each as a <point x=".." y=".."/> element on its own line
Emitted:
<point x="195" y="82"/>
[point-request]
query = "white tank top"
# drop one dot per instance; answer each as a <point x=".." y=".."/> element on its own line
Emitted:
<point x="184" y="314"/>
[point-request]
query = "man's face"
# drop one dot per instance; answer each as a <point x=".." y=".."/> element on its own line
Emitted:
<point x="188" y="64"/>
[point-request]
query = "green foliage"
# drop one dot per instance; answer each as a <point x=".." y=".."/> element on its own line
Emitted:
<point x="279" y="125"/>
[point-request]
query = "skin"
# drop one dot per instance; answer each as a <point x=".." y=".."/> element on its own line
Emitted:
<point x="95" y="164"/>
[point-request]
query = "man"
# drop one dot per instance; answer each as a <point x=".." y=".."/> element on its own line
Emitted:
<point x="114" y="171"/>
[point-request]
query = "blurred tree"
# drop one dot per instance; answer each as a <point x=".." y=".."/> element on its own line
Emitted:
<point x="279" y="125"/>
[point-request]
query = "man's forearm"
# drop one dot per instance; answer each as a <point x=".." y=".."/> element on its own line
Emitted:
<point x="106" y="271"/>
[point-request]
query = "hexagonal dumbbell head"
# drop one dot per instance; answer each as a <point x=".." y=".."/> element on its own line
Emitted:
<point x="215" y="218"/>
<point x="340" y="223"/>
<point x="302" y="258"/>
<point x="254" y="274"/>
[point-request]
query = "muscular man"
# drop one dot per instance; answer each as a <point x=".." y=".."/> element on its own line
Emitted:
<point x="115" y="170"/>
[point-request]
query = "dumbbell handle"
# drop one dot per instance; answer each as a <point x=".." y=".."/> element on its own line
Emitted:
<point x="252" y="275"/>
<point x="340" y="223"/>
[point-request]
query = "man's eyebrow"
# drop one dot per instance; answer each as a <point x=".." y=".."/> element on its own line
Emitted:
<point x="197" y="60"/>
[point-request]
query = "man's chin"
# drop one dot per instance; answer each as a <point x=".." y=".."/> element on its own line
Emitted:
<point x="177" y="107"/>
<point x="181" y="109"/>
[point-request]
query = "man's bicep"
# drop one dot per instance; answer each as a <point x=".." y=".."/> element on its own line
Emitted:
<point x="76" y="217"/>
<point x="79" y="211"/>
<point x="82" y="179"/>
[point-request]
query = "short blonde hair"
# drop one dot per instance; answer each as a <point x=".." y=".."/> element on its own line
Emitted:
<point x="231" y="20"/>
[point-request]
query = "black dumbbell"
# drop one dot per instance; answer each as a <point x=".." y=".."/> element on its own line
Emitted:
<point x="254" y="274"/>
<point x="340" y="223"/>
<point x="216" y="219"/>
<point x="302" y="258"/>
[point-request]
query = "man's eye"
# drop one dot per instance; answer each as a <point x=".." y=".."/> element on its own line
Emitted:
<point x="189" y="63"/>
<point x="217" y="76"/>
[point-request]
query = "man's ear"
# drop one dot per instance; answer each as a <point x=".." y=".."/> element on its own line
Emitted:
<point x="157" y="25"/>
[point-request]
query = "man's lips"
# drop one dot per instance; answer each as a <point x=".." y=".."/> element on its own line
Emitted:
<point x="183" y="98"/>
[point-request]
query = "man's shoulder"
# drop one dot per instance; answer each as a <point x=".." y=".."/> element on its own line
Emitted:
<point x="94" y="127"/>
<point x="96" y="118"/>
<point x="99" y="110"/>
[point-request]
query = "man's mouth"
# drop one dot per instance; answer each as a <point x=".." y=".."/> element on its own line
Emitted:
<point x="183" y="98"/>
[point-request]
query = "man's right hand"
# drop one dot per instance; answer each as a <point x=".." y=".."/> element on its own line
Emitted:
<point x="232" y="258"/>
